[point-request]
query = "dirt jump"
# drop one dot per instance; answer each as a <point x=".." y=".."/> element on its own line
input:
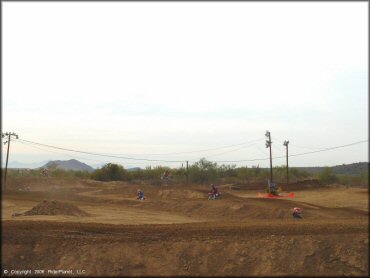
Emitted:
<point x="55" y="208"/>
<point x="95" y="228"/>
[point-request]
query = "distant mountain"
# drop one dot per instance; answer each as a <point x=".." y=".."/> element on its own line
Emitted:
<point x="71" y="164"/>
<point x="133" y="169"/>
<point x="128" y="167"/>
<point x="353" y="169"/>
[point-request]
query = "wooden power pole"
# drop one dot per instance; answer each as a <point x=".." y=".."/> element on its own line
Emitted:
<point x="187" y="172"/>
<point x="287" y="167"/>
<point x="268" y="145"/>
<point x="9" y="134"/>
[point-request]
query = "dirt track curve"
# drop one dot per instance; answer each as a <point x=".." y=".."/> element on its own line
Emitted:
<point x="176" y="231"/>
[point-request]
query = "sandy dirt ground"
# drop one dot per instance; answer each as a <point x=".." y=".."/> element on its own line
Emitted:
<point x="177" y="231"/>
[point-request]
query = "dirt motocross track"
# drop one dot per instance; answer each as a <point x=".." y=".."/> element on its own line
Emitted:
<point x="177" y="231"/>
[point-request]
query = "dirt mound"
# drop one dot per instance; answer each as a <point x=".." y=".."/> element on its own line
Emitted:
<point x="55" y="208"/>
<point x="267" y="248"/>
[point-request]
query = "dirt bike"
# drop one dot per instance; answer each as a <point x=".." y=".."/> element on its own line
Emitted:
<point x="297" y="213"/>
<point x="140" y="197"/>
<point x="212" y="196"/>
<point x="271" y="189"/>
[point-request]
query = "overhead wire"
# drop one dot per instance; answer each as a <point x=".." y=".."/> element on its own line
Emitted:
<point x="42" y="149"/>
<point x="100" y="154"/>
<point x="298" y="146"/>
<point x="277" y="157"/>
<point x="231" y="150"/>
<point x="152" y="160"/>
<point x="63" y="154"/>
<point x="332" y="148"/>
<point x="181" y="161"/>
<point x="197" y="151"/>
<point x="303" y="147"/>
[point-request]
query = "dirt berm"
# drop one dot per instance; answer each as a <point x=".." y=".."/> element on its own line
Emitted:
<point x="55" y="208"/>
<point x="178" y="231"/>
<point x="206" y="249"/>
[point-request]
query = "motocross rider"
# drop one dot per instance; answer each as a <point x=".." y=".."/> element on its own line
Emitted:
<point x="214" y="191"/>
<point x="297" y="212"/>
<point x="140" y="194"/>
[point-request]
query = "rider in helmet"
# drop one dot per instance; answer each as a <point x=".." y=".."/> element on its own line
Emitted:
<point x="297" y="212"/>
<point x="166" y="174"/>
<point x="140" y="195"/>
<point x="214" y="191"/>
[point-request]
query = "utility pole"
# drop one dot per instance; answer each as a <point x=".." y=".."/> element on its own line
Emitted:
<point x="9" y="134"/>
<point x="187" y="172"/>
<point x="287" y="171"/>
<point x="268" y="145"/>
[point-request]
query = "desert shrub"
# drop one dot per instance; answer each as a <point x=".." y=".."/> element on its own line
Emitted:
<point x="327" y="176"/>
<point x="60" y="173"/>
<point x="351" y="180"/>
<point x="279" y="173"/>
<point x="259" y="175"/>
<point x="81" y="174"/>
<point x="137" y="174"/>
<point x="111" y="172"/>
<point x="179" y="175"/>
<point x="70" y="174"/>
<point x="244" y="174"/>
<point x="154" y="173"/>
<point x="297" y="174"/>
<point x="203" y="171"/>
<point x="227" y="171"/>
<point x="21" y="172"/>
<point x="364" y="178"/>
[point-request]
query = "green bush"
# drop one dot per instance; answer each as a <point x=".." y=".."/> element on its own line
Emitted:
<point x="111" y="172"/>
<point x="364" y="178"/>
<point x="327" y="176"/>
<point x="203" y="171"/>
<point x="244" y="174"/>
<point x="297" y="175"/>
<point x="350" y="180"/>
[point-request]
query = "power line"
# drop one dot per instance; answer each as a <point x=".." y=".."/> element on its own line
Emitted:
<point x="302" y="147"/>
<point x="332" y="148"/>
<point x="232" y="150"/>
<point x="153" y="160"/>
<point x="179" y="161"/>
<point x="73" y="156"/>
<point x="42" y="149"/>
<point x="204" y="150"/>
<point x="322" y="150"/>
<point x="258" y="148"/>
<point x="104" y="155"/>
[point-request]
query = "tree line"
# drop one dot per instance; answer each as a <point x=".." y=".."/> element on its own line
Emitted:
<point x="203" y="172"/>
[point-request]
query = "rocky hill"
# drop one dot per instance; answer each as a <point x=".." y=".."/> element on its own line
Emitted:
<point x="353" y="169"/>
<point x="71" y="164"/>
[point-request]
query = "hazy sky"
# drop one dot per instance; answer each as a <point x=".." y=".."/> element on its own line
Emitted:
<point x="138" y="79"/>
